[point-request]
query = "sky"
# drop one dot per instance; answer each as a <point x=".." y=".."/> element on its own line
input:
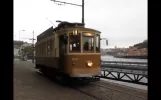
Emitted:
<point x="122" y="22"/>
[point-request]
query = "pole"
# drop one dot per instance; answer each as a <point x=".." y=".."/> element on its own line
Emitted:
<point x="19" y="41"/>
<point x="75" y="5"/>
<point x="33" y="48"/>
<point x="19" y="35"/>
<point x="83" y="11"/>
<point x="19" y="46"/>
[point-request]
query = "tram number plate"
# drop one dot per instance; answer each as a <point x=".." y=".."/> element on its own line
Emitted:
<point x="75" y="59"/>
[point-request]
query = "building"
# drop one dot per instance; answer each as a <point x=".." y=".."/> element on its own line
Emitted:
<point x="25" y="44"/>
<point x="137" y="52"/>
<point x="16" y="52"/>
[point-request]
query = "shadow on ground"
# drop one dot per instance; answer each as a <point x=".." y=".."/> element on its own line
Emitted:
<point x="68" y="82"/>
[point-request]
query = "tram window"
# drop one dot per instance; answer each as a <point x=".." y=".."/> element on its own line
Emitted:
<point x="41" y="49"/>
<point x="51" y="46"/>
<point x="44" y="49"/>
<point x="97" y="43"/>
<point x="48" y="47"/>
<point x="37" y="49"/>
<point x="88" y="44"/>
<point x="74" y="42"/>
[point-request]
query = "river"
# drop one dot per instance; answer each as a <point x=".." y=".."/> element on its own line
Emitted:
<point x="112" y="58"/>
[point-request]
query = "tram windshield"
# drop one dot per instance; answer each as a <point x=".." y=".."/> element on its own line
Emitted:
<point x="74" y="43"/>
<point x="88" y="42"/>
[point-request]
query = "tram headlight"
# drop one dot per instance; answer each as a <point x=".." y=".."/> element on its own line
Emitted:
<point x="89" y="64"/>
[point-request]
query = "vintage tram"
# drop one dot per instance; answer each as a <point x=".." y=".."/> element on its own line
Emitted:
<point x="70" y="49"/>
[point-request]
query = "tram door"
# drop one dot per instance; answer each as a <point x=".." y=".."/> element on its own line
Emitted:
<point x="62" y="51"/>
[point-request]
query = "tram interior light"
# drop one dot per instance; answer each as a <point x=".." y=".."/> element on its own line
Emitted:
<point x="75" y="32"/>
<point x="88" y="34"/>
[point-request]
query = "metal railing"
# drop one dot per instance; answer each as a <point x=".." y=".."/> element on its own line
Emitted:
<point x="133" y="72"/>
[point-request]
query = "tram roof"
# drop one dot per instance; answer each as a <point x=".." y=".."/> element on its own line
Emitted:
<point x="68" y="25"/>
<point x="50" y="30"/>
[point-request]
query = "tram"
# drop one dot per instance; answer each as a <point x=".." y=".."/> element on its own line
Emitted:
<point x="70" y="49"/>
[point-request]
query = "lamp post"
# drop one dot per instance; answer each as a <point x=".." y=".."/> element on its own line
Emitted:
<point x="19" y="41"/>
<point x="19" y="33"/>
<point x="33" y="48"/>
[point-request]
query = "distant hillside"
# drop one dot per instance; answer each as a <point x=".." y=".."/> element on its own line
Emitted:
<point x="144" y="44"/>
<point x="18" y="43"/>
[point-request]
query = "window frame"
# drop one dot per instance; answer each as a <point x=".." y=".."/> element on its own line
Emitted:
<point x="99" y="45"/>
<point x="85" y="51"/>
<point x="69" y="39"/>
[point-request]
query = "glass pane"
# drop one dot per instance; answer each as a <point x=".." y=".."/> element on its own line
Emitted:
<point x="88" y="44"/>
<point x="97" y="43"/>
<point x="74" y="42"/>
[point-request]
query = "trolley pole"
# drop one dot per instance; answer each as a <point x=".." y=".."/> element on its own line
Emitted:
<point x="83" y="11"/>
<point x="74" y="5"/>
<point x="33" y="48"/>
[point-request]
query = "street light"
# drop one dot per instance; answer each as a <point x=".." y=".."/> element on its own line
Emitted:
<point x="19" y="33"/>
<point x="19" y="40"/>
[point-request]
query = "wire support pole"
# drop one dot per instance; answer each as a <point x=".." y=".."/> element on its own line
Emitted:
<point x="74" y="5"/>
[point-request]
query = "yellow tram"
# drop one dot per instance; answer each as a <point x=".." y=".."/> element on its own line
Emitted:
<point x="69" y="49"/>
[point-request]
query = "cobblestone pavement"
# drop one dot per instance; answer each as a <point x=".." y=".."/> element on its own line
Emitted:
<point x="29" y="85"/>
<point x="109" y="91"/>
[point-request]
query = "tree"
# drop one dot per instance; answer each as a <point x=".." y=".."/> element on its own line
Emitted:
<point x="28" y="50"/>
<point x="142" y="45"/>
<point x="19" y="43"/>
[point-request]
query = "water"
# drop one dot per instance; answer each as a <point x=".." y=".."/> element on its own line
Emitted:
<point x="111" y="58"/>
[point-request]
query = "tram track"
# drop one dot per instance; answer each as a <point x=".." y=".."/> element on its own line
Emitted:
<point x="74" y="87"/>
<point x="88" y="94"/>
<point x="100" y="94"/>
<point x="118" y="90"/>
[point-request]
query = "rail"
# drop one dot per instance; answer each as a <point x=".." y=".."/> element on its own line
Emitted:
<point x="124" y="63"/>
<point x="134" y="72"/>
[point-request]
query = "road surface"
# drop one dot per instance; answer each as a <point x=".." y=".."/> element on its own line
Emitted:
<point x="29" y="85"/>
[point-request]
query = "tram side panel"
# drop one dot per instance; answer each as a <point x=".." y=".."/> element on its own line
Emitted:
<point x="43" y="58"/>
